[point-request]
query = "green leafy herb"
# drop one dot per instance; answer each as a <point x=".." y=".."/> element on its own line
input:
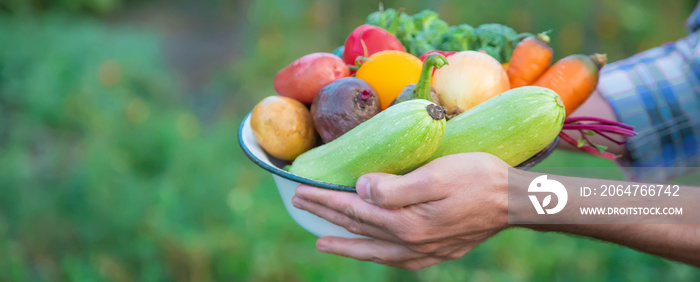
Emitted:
<point x="425" y="31"/>
<point x="498" y="40"/>
<point x="458" y="38"/>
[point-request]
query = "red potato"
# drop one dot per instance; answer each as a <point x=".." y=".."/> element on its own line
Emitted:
<point x="302" y="79"/>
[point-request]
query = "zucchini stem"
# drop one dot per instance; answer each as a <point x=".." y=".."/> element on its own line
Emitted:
<point x="435" y="111"/>
<point x="422" y="88"/>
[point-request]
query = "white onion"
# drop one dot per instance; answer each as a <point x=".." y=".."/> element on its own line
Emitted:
<point x="470" y="79"/>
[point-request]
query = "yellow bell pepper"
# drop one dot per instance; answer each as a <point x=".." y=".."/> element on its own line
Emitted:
<point x="388" y="72"/>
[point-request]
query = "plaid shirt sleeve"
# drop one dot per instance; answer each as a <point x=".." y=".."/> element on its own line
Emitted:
<point x="658" y="92"/>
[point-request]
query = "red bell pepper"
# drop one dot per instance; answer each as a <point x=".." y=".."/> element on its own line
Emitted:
<point x="444" y="53"/>
<point x="373" y="38"/>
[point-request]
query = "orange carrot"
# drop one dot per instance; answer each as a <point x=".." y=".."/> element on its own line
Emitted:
<point x="530" y="59"/>
<point x="574" y="78"/>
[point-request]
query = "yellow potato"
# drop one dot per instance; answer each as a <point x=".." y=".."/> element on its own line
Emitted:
<point x="283" y="127"/>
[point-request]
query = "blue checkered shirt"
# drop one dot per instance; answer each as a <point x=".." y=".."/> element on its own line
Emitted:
<point x="658" y="92"/>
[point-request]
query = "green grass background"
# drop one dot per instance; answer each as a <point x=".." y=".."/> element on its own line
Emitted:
<point x="111" y="170"/>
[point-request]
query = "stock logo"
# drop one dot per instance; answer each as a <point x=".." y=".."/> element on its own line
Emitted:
<point x="542" y="184"/>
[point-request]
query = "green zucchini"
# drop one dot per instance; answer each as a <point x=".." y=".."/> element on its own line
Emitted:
<point x="397" y="140"/>
<point x="513" y="126"/>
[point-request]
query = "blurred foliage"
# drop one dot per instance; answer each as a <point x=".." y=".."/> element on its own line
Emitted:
<point x="97" y="7"/>
<point x="108" y="171"/>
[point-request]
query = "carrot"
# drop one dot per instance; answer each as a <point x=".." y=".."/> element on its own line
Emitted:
<point x="574" y="78"/>
<point x="530" y="59"/>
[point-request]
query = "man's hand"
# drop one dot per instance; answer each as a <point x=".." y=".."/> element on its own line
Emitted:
<point x="436" y="213"/>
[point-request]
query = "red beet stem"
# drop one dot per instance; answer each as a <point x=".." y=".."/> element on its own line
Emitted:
<point x="600" y="120"/>
<point x="610" y="138"/>
<point x="583" y="135"/>
<point x="587" y="149"/>
<point x="601" y="127"/>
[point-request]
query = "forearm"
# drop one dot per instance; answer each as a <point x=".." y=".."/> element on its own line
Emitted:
<point x="668" y="236"/>
<point x="678" y="242"/>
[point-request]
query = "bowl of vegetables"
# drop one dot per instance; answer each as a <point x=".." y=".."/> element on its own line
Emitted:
<point x="406" y="89"/>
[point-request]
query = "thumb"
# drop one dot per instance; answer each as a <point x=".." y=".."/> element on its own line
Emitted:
<point x="391" y="191"/>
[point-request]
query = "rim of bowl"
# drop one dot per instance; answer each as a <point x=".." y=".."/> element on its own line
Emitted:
<point x="527" y="164"/>
<point x="283" y="173"/>
<point x="539" y="156"/>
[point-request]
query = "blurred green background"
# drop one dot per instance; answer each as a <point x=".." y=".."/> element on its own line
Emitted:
<point x="118" y="139"/>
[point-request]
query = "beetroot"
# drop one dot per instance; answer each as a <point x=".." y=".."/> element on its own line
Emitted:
<point x="342" y="105"/>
